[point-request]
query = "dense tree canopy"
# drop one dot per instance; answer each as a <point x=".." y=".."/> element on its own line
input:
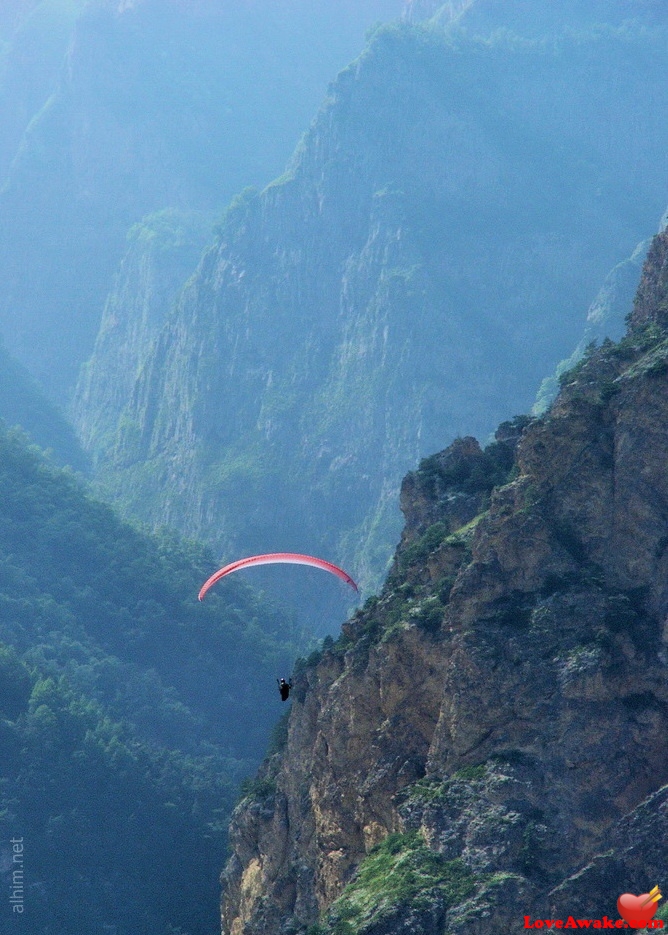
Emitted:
<point x="129" y="712"/>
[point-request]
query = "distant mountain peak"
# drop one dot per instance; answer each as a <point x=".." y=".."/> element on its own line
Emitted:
<point x="417" y="10"/>
<point x="530" y="18"/>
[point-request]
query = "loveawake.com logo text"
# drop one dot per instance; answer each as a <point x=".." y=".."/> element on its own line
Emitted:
<point x="572" y="923"/>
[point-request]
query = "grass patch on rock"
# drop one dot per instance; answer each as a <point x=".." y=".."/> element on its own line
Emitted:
<point x="399" y="873"/>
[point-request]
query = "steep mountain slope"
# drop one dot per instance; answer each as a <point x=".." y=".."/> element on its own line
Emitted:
<point x="487" y="740"/>
<point x="80" y="586"/>
<point x="606" y="318"/>
<point x="129" y="712"/>
<point x="74" y="781"/>
<point x="23" y="404"/>
<point x="162" y="250"/>
<point x="34" y="35"/>
<point x="418" y="270"/>
<point x="155" y="105"/>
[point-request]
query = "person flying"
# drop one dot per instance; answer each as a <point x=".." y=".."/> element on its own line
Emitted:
<point x="284" y="688"/>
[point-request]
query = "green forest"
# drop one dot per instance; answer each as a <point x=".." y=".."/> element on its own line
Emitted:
<point x="129" y="711"/>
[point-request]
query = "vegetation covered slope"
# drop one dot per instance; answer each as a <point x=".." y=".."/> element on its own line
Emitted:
<point x="104" y="819"/>
<point x="487" y="739"/>
<point x="22" y="403"/>
<point x="129" y="712"/>
<point x="417" y="271"/>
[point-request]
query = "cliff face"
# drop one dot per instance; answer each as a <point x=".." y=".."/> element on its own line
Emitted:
<point x="606" y="318"/>
<point x="414" y="274"/>
<point x="497" y="718"/>
<point x="33" y="41"/>
<point x="162" y="250"/>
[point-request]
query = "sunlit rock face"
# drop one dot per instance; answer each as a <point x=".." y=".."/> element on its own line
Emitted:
<point x="504" y="710"/>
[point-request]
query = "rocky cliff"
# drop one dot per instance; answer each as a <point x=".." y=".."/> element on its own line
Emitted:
<point x="162" y="250"/>
<point x="487" y="738"/>
<point x="417" y="271"/>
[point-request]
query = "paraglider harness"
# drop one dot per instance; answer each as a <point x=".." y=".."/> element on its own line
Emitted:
<point x="284" y="688"/>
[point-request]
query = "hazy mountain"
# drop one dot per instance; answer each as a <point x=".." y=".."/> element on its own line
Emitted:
<point x="155" y="105"/>
<point x="23" y="404"/>
<point x="606" y="318"/>
<point x="34" y="36"/>
<point x="534" y="19"/>
<point x="161" y="251"/>
<point x="416" y="272"/>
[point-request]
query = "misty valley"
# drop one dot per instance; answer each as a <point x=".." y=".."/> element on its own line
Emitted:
<point x="333" y="506"/>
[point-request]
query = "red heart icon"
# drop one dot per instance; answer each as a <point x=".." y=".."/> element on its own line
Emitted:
<point x="636" y="910"/>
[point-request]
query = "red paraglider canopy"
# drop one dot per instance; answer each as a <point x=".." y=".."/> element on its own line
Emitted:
<point x="290" y="558"/>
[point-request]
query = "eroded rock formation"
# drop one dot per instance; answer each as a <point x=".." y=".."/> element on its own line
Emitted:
<point x="496" y="721"/>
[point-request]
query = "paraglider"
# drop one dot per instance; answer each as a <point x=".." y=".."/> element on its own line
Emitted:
<point x="284" y="688"/>
<point x="291" y="558"/>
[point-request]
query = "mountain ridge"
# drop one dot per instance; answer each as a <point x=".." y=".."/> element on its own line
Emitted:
<point x="117" y="110"/>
